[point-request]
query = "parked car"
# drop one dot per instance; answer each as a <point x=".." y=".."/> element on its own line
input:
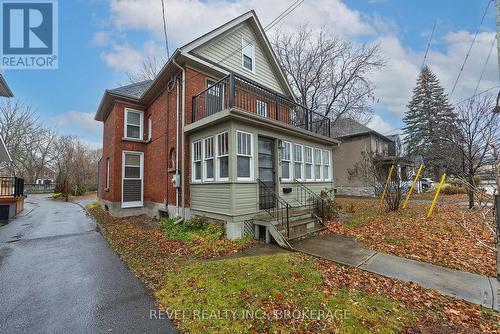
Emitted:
<point x="426" y="183"/>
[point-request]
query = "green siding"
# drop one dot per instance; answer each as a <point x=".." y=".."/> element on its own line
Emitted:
<point x="317" y="187"/>
<point x="245" y="198"/>
<point x="213" y="197"/>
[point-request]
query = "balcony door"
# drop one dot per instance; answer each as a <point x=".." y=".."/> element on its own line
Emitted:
<point x="215" y="97"/>
<point x="266" y="172"/>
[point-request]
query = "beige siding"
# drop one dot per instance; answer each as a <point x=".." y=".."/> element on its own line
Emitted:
<point x="214" y="197"/>
<point x="230" y="43"/>
<point x="345" y="158"/>
<point x="245" y="198"/>
<point x="316" y="187"/>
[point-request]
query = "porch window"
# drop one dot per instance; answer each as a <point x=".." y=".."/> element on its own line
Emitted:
<point x="133" y="124"/>
<point x="244" y="156"/>
<point x="298" y="159"/>
<point x="286" y="152"/>
<point x="326" y="166"/>
<point x="208" y="159"/>
<point x="132" y="179"/>
<point x="248" y="54"/>
<point x="317" y="164"/>
<point x="197" y="161"/>
<point x="309" y="163"/>
<point x="222" y="156"/>
<point x="261" y="108"/>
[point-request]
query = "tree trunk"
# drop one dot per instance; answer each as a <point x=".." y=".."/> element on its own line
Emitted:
<point x="497" y="223"/>
<point x="470" y="190"/>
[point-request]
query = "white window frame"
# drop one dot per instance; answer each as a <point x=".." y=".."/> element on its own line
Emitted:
<point x="318" y="163"/>
<point x="308" y="163"/>
<point x="219" y="156"/>
<point x="107" y="174"/>
<point x="261" y="103"/>
<point x="327" y="162"/>
<point x="240" y="178"/>
<point x="133" y="204"/>
<point x="150" y="127"/>
<point x="206" y="159"/>
<point x="290" y="162"/>
<point x="193" y="174"/>
<point x="295" y="161"/>
<point x="245" y="42"/>
<point x="141" y="125"/>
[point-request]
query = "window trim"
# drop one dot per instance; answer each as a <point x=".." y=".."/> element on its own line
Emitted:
<point x="251" y="156"/>
<point x="329" y="161"/>
<point x="141" y="125"/>
<point x="302" y="174"/>
<point x="106" y="188"/>
<point x="217" y="157"/>
<point x="193" y="174"/>
<point x="133" y="204"/>
<point x="308" y="163"/>
<point x="315" y="163"/>
<point x="290" y="162"/>
<point x="204" y="177"/>
<point x="244" y="42"/>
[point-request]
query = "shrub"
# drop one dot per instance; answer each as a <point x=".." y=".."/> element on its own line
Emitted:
<point x="330" y="209"/>
<point x="57" y="195"/>
<point x="450" y="189"/>
<point x="197" y="222"/>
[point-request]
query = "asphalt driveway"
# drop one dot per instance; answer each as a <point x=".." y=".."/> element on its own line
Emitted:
<point x="58" y="275"/>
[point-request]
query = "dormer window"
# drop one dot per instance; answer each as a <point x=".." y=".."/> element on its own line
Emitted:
<point x="248" y="54"/>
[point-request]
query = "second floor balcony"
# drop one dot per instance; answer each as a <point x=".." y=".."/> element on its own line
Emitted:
<point x="234" y="91"/>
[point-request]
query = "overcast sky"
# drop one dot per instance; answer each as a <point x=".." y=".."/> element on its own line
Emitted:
<point x="100" y="40"/>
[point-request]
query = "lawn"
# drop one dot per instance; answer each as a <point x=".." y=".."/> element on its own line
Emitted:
<point x="439" y="240"/>
<point x="280" y="293"/>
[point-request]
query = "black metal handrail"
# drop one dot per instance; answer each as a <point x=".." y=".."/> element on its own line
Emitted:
<point x="276" y="206"/>
<point x="11" y="186"/>
<point x="236" y="91"/>
<point x="310" y="200"/>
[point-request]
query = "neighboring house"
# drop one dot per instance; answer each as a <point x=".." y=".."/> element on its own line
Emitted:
<point x="217" y="133"/>
<point x="11" y="187"/>
<point x="46" y="176"/>
<point x="358" y="141"/>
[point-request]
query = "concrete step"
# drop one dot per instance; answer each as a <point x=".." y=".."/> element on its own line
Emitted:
<point x="299" y="236"/>
<point x="300" y="227"/>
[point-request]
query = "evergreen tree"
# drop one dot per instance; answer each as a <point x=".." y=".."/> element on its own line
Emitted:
<point x="429" y="121"/>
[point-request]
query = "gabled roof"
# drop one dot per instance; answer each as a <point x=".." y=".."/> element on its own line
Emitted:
<point x="4" y="88"/>
<point x="4" y="154"/>
<point x="348" y="127"/>
<point x="145" y="92"/>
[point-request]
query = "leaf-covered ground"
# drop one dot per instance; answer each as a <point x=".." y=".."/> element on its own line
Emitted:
<point x="353" y="301"/>
<point x="439" y="240"/>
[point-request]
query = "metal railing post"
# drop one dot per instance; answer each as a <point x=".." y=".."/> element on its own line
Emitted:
<point x="193" y="110"/>
<point x="277" y="102"/>
<point x="232" y="89"/>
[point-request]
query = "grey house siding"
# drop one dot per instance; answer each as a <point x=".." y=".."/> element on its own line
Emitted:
<point x="236" y="201"/>
<point x="230" y="44"/>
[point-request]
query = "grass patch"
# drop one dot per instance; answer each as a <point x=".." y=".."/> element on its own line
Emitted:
<point x="94" y="204"/>
<point x="353" y="223"/>
<point x="257" y="289"/>
<point x="203" y="239"/>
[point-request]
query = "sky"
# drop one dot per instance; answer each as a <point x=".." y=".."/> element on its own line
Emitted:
<point x="101" y="40"/>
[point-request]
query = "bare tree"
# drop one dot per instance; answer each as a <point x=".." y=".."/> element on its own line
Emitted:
<point x="329" y="74"/>
<point x="478" y="131"/>
<point x="148" y="70"/>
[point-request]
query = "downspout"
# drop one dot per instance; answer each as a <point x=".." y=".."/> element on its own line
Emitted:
<point x="183" y="117"/>
<point x="177" y="144"/>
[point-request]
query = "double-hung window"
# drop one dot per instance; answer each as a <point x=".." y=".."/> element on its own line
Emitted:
<point x="150" y="127"/>
<point x="244" y="159"/>
<point x="248" y="54"/>
<point x="286" y="152"/>
<point x="133" y="124"/>
<point x="261" y="108"/>
<point x="107" y="174"/>
<point x="132" y="177"/>
<point x="197" y="160"/>
<point x="222" y="156"/>
<point x="326" y="166"/>
<point x="208" y="159"/>
<point x="317" y="164"/>
<point x="298" y="161"/>
<point x="309" y="163"/>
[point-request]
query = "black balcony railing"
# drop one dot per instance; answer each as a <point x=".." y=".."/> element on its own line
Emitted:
<point x="234" y="91"/>
<point x="11" y="186"/>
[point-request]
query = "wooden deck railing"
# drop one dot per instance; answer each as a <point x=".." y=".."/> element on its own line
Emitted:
<point x="11" y="186"/>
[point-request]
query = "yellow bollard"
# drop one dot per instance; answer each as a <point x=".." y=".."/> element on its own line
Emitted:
<point x="386" y="183"/>
<point x="436" y="196"/>
<point x="413" y="185"/>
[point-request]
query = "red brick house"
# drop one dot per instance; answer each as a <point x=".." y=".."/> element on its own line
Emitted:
<point x="217" y="133"/>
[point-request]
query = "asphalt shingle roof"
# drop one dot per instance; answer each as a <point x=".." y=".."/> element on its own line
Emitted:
<point x="347" y="127"/>
<point x="134" y="90"/>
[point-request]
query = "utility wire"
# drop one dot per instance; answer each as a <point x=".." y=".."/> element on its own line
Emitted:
<point x="428" y="45"/>
<point x="163" y="6"/>
<point x="470" y="47"/>
<point x="485" y="64"/>
<point x="480" y="93"/>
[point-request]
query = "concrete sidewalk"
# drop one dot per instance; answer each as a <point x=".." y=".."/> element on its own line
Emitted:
<point x="345" y="250"/>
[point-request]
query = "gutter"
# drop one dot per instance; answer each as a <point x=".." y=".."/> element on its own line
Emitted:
<point x="183" y="117"/>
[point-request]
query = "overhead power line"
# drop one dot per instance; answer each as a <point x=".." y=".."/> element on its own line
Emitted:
<point x="428" y="45"/>
<point x="485" y="64"/>
<point x="164" y="15"/>
<point x="470" y="47"/>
